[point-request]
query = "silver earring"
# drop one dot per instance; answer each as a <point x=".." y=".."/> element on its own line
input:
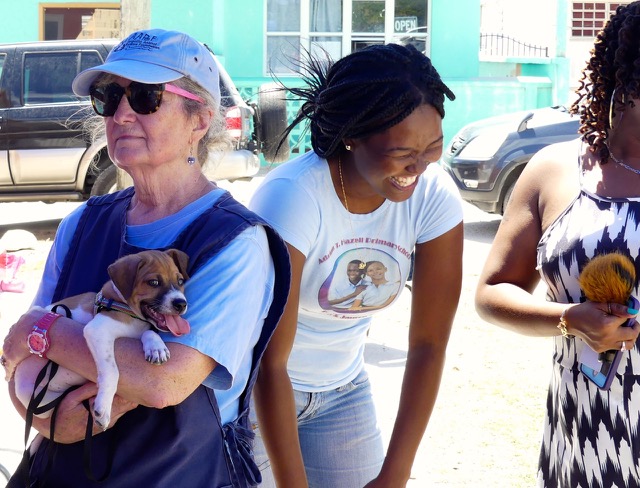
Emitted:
<point x="347" y="147"/>
<point x="613" y="96"/>
<point x="191" y="160"/>
<point x="611" y="104"/>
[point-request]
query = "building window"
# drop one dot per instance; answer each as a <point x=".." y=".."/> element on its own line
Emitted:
<point x="339" y="27"/>
<point x="588" y="18"/>
<point x="88" y="21"/>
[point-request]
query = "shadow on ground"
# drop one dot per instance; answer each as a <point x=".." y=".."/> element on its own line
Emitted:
<point x="383" y="356"/>
<point x="43" y="229"/>
<point x="481" y="232"/>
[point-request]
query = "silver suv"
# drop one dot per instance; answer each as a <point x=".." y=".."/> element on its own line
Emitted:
<point x="44" y="154"/>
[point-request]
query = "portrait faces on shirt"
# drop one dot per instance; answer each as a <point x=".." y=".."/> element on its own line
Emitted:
<point x="362" y="280"/>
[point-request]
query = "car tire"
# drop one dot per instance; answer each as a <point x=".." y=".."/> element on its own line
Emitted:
<point x="272" y="109"/>
<point x="106" y="182"/>
<point x="507" y="195"/>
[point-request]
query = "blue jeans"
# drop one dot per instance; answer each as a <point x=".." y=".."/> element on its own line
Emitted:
<point x="339" y="437"/>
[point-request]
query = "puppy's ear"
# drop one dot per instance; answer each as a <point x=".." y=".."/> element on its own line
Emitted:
<point x="181" y="259"/>
<point x="123" y="273"/>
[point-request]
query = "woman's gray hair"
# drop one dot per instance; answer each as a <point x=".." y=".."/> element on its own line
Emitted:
<point x="217" y="140"/>
<point x="213" y="145"/>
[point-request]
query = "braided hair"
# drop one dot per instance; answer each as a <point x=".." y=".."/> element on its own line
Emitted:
<point x="364" y="93"/>
<point x="614" y="66"/>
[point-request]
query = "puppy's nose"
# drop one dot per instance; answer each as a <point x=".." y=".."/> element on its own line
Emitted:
<point x="179" y="305"/>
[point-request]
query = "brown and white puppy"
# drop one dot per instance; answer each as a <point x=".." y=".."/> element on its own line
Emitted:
<point x="151" y="284"/>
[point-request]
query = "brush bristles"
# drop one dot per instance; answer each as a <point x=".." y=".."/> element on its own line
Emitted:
<point x="608" y="278"/>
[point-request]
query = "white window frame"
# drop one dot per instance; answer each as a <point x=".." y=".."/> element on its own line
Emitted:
<point x="347" y="36"/>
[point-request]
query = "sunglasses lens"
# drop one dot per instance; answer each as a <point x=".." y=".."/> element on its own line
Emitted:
<point x="105" y="99"/>
<point x="143" y="98"/>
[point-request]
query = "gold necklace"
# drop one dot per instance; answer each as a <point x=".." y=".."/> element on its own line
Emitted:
<point x="344" y="193"/>
<point x="363" y="265"/>
<point x="344" y="196"/>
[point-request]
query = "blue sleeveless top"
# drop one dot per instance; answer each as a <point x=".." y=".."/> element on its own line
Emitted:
<point x="181" y="445"/>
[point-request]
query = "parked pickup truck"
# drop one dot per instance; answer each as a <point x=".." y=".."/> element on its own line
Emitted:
<point x="44" y="152"/>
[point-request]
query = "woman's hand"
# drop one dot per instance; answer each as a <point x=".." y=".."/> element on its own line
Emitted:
<point x="600" y="325"/>
<point x="15" y="349"/>
<point x="71" y="420"/>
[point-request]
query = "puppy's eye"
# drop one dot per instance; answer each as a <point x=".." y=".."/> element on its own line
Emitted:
<point x="180" y="281"/>
<point x="153" y="283"/>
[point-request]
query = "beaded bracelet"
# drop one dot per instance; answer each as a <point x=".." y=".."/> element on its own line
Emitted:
<point x="562" y="325"/>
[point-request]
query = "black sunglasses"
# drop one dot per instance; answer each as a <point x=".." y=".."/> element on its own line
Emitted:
<point x="143" y="98"/>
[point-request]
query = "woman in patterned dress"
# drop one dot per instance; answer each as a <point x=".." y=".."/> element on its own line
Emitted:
<point x="573" y="201"/>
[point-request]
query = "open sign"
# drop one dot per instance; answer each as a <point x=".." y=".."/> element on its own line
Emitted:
<point x="405" y="24"/>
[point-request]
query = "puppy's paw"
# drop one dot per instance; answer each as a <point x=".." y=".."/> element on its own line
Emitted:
<point x="157" y="355"/>
<point x="101" y="416"/>
<point x="155" y="350"/>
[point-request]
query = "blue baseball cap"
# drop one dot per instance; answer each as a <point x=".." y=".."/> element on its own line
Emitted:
<point x="156" y="56"/>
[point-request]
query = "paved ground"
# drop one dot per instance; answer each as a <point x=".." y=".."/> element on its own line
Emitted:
<point x="485" y="429"/>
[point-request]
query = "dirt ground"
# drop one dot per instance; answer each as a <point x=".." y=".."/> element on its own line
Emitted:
<point x="486" y="426"/>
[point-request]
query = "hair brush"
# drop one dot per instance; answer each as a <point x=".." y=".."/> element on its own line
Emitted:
<point x="608" y="278"/>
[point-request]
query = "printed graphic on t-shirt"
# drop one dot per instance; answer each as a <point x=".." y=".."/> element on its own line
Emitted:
<point x="362" y="280"/>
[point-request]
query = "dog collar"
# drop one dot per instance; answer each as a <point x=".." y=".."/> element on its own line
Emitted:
<point x="110" y="304"/>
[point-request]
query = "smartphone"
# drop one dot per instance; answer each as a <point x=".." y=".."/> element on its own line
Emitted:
<point x="601" y="372"/>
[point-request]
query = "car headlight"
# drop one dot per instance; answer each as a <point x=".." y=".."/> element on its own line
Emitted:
<point x="483" y="146"/>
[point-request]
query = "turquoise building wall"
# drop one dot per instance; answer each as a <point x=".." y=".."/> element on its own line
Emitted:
<point x="194" y="17"/>
<point x="19" y="19"/>
<point x="233" y="30"/>
<point x="455" y="44"/>
<point x="455" y="38"/>
<point x="19" y="31"/>
<point x="484" y="88"/>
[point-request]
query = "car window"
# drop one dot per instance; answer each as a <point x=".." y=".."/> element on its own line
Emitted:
<point x="4" y="98"/>
<point x="89" y="60"/>
<point x="47" y="77"/>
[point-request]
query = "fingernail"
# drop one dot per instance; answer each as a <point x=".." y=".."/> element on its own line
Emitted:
<point x="632" y="311"/>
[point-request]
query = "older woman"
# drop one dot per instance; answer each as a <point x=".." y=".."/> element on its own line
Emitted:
<point x="184" y="423"/>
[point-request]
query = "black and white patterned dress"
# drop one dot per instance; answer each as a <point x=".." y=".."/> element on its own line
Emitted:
<point x="591" y="436"/>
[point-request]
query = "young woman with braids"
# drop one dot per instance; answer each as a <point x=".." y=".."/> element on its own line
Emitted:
<point x="574" y="201"/>
<point x="368" y="189"/>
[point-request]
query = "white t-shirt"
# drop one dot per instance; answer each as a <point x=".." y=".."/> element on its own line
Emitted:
<point x="341" y="289"/>
<point x="299" y="200"/>
<point x="377" y="295"/>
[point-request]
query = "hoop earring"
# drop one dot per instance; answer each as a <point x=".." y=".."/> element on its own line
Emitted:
<point x="191" y="160"/>
<point x="347" y="147"/>
<point x="611" y="104"/>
